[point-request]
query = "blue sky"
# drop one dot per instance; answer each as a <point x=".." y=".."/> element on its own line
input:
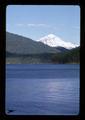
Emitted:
<point x="36" y="21"/>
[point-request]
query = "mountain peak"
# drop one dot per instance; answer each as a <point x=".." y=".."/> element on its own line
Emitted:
<point x="51" y="35"/>
<point x="55" y="41"/>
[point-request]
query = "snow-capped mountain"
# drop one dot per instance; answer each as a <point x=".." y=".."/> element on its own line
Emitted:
<point x="54" y="41"/>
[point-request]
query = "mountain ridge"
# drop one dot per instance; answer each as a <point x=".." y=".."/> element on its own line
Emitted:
<point x="22" y="45"/>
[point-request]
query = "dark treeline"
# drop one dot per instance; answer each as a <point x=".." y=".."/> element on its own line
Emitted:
<point x="72" y="56"/>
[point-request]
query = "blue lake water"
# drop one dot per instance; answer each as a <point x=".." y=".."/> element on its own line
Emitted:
<point x="42" y="89"/>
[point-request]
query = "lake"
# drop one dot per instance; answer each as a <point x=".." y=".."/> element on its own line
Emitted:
<point x="42" y="89"/>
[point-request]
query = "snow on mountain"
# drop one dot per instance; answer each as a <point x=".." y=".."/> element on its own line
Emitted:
<point x="54" y="41"/>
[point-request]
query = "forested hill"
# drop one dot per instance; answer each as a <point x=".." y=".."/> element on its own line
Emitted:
<point x="72" y="56"/>
<point x="17" y="44"/>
